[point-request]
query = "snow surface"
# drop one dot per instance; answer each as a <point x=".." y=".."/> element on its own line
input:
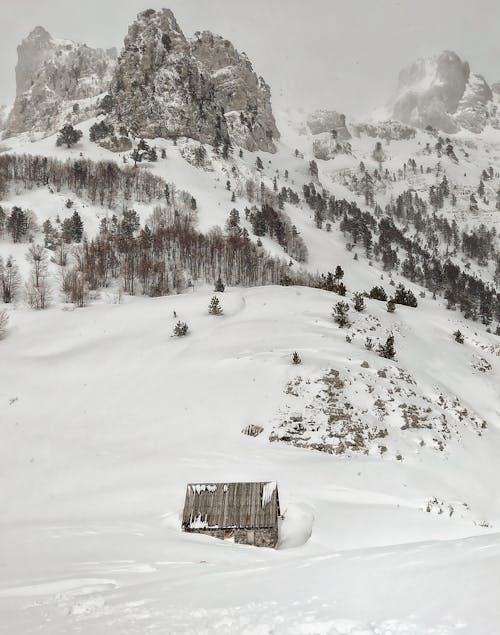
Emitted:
<point x="104" y="419"/>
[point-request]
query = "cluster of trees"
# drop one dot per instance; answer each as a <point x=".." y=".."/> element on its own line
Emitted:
<point x="385" y="235"/>
<point x="36" y="288"/>
<point x="341" y="317"/>
<point x="143" y="152"/>
<point x="101" y="130"/>
<point x="70" y="230"/>
<point x="276" y="224"/>
<point x="19" y="224"/>
<point x="168" y="254"/>
<point x="101" y="182"/>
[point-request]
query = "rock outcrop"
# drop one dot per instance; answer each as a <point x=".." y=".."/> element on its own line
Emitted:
<point x="330" y="121"/>
<point x="162" y="85"/>
<point x="54" y="79"/>
<point x="246" y="98"/>
<point x="387" y="130"/>
<point x="443" y="93"/>
<point x="3" y="116"/>
<point x="159" y="89"/>
<point x="167" y="86"/>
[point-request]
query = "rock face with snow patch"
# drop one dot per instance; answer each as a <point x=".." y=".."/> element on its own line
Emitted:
<point x="3" y="116"/>
<point x="246" y="98"/>
<point x="159" y="89"/>
<point x="388" y="130"/>
<point x="167" y="86"/>
<point x="442" y="92"/>
<point x="52" y="76"/>
<point x="322" y="121"/>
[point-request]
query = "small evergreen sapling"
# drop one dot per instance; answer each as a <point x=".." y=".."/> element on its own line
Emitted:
<point x="378" y="293"/>
<point x="391" y="306"/>
<point x="180" y="329"/>
<point x="459" y="338"/>
<point x="219" y="286"/>
<point x="387" y="350"/>
<point x="341" y="314"/>
<point x="296" y="358"/>
<point x="359" y="302"/>
<point x="214" y="308"/>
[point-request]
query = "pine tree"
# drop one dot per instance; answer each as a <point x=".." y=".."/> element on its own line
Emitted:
<point x="76" y="228"/>
<point x="68" y="136"/>
<point x="391" y="306"/>
<point x="359" y="302"/>
<point x="339" y="272"/>
<point x="17" y="224"/>
<point x="259" y="164"/>
<point x="341" y="314"/>
<point x="219" y="286"/>
<point x="378" y="293"/>
<point x="180" y="329"/>
<point x="313" y="169"/>
<point x="387" y="350"/>
<point x="458" y="337"/>
<point x="214" y="308"/>
<point x="296" y="358"/>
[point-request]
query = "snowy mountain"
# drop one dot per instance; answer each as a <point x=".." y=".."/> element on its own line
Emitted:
<point x="167" y="86"/>
<point x="369" y="249"/>
<point x="442" y="92"/>
<point x="56" y="81"/>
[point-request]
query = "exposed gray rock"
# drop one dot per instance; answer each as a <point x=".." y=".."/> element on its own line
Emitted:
<point x="159" y="88"/>
<point x="474" y="118"/>
<point x="325" y="147"/>
<point x="387" y="130"/>
<point x="495" y="87"/>
<point x="167" y="86"/>
<point x="51" y="75"/>
<point x="322" y="121"/>
<point x="441" y="92"/>
<point x="246" y="98"/>
<point x="3" y="116"/>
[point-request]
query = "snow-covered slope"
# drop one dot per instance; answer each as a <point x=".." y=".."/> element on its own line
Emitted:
<point x="387" y="469"/>
<point x="113" y="417"/>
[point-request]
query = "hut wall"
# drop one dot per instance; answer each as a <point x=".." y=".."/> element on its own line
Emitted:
<point x="259" y="537"/>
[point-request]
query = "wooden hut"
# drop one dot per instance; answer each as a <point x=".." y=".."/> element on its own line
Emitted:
<point x="246" y="512"/>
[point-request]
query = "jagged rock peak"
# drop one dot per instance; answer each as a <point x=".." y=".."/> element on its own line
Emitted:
<point x="159" y="89"/>
<point x="167" y="86"/>
<point x="442" y="92"/>
<point x="246" y="97"/>
<point x="51" y="74"/>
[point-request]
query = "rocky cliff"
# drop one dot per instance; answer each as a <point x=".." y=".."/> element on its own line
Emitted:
<point x="167" y="86"/>
<point x="159" y="89"/>
<point x="246" y="98"/>
<point x="322" y="121"/>
<point x="3" y="116"/>
<point x="52" y="77"/>
<point x="161" y="85"/>
<point x="443" y="93"/>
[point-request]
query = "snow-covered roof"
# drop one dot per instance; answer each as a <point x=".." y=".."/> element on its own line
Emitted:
<point x="231" y="505"/>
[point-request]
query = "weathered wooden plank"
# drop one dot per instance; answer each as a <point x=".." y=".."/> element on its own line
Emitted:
<point x="228" y="505"/>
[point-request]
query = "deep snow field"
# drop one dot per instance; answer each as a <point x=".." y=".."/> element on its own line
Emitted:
<point x="104" y="419"/>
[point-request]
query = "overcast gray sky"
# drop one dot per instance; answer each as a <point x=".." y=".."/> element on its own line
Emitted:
<point x="329" y="53"/>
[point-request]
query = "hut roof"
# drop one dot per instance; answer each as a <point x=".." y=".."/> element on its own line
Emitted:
<point x="231" y="505"/>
